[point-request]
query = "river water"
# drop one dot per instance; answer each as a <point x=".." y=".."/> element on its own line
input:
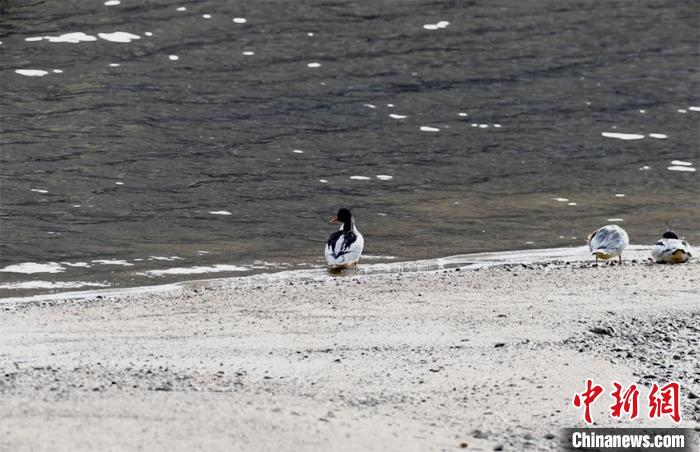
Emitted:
<point x="148" y="142"/>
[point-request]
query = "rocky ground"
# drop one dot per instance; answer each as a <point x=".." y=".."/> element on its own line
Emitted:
<point x="478" y="359"/>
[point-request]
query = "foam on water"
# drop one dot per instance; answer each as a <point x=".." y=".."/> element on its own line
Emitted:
<point x="31" y="72"/>
<point x="619" y="195"/>
<point x="314" y="65"/>
<point x="694" y="108"/>
<point x="681" y="163"/>
<point x="395" y="116"/>
<point x="623" y="136"/>
<point x="615" y="220"/>
<point x="437" y="26"/>
<point x="220" y="212"/>
<point x="429" y="129"/>
<point x="197" y="270"/>
<point x="39" y="190"/>
<point x="76" y="264"/>
<point x="71" y="38"/>
<point x="681" y="110"/>
<point x="181" y="8"/>
<point x="240" y="20"/>
<point x="118" y="36"/>
<point x="359" y="178"/>
<point x="33" y="267"/>
<point x="164" y="258"/>
<point x="658" y="135"/>
<point x="173" y="57"/>
<point x="384" y="177"/>
<point x="687" y="169"/>
<point x="248" y="53"/>
<point x="462" y="114"/>
<point x="323" y="181"/>
<point x="369" y="106"/>
<point x="112" y="2"/>
<point x="206" y="16"/>
<point x="561" y="199"/>
<point x="297" y="151"/>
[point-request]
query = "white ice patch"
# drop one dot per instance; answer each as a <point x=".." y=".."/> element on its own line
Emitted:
<point x="359" y="178"/>
<point x="681" y="168"/>
<point x="314" y="65"/>
<point x="220" y="212"/>
<point x="623" y="136"/>
<point x="118" y="36"/>
<point x="71" y="38"/>
<point x="32" y="267"/>
<point x="197" y="270"/>
<point x="384" y="177"/>
<point x="164" y="258"/>
<point x="437" y="26"/>
<point x="121" y="262"/>
<point x="429" y="129"/>
<point x="50" y="285"/>
<point x="681" y="163"/>
<point x="32" y="72"/>
<point x="39" y="190"/>
<point x="395" y="116"/>
<point x="660" y="136"/>
<point x="240" y="20"/>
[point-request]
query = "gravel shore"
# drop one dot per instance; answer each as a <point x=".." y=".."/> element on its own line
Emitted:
<point x="482" y="359"/>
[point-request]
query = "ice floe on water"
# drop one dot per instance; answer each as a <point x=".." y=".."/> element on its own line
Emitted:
<point x="119" y="262"/>
<point x="240" y="20"/>
<point x="687" y="169"/>
<point x="71" y="38"/>
<point x="395" y="116"/>
<point x="197" y="270"/>
<point x="384" y="177"/>
<point x="623" y="136"/>
<point x="660" y="136"/>
<point x="118" y="36"/>
<point x="33" y="267"/>
<point x="429" y="129"/>
<point x="437" y="26"/>
<point x="50" y="285"/>
<point x="314" y="65"/>
<point x="220" y="212"/>
<point x="31" y="72"/>
<point x="359" y="178"/>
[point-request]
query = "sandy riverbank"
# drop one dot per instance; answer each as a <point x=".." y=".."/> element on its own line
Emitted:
<point x="411" y="361"/>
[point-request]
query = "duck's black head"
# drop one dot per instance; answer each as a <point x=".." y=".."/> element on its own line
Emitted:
<point x="669" y="235"/>
<point x="345" y="217"/>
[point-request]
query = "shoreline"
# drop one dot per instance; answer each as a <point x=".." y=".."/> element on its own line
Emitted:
<point x="465" y="261"/>
<point x="430" y="360"/>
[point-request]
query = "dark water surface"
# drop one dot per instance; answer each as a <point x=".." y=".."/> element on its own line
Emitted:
<point x="124" y="164"/>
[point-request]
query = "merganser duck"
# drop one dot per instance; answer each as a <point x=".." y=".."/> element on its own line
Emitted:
<point x="344" y="247"/>
<point x="608" y="242"/>
<point x="670" y="249"/>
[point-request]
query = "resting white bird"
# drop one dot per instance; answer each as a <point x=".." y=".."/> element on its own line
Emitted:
<point x="608" y="242"/>
<point x="670" y="249"/>
<point x="344" y="247"/>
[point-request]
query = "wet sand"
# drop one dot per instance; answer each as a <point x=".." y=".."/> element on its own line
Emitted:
<point x="436" y="360"/>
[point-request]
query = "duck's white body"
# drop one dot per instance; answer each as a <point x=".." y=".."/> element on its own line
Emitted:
<point x="343" y="249"/>
<point x="671" y="251"/>
<point x="608" y="242"/>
